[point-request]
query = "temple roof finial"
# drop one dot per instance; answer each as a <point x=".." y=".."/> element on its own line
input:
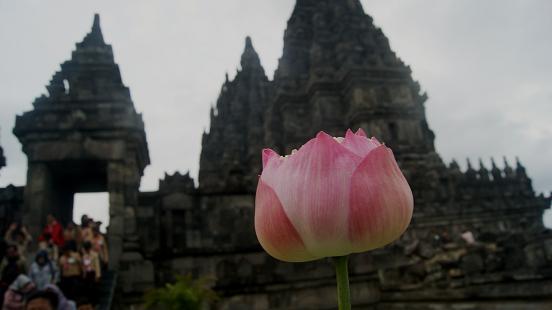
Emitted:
<point x="481" y="164"/>
<point x="95" y="36"/>
<point x="248" y="42"/>
<point x="520" y="169"/>
<point x="250" y="58"/>
<point x="493" y="163"/>
<point x="454" y="165"/>
<point x="468" y="161"/>
<point x="506" y="164"/>
<point x="96" y="23"/>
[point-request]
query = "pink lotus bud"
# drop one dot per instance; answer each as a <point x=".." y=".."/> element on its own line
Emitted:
<point x="333" y="197"/>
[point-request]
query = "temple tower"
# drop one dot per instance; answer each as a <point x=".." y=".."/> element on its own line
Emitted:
<point x="85" y="136"/>
<point x="338" y="71"/>
<point x="230" y="155"/>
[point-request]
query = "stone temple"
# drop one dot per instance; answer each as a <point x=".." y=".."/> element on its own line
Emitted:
<point x="476" y="241"/>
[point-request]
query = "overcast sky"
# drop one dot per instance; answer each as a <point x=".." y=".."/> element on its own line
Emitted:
<point x="486" y="65"/>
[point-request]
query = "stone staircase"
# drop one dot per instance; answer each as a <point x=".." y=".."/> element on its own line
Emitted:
<point x="106" y="293"/>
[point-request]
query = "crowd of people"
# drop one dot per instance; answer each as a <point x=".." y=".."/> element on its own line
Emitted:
<point x="63" y="273"/>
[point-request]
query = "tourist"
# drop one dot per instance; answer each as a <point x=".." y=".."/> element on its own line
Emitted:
<point x="98" y="224"/>
<point x="71" y="270"/>
<point x="53" y="228"/>
<point x="12" y="266"/>
<point x="42" y="300"/>
<point x="84" y="220"/>
<point x="90" y="262"/>
<point x="63" y="302"/>
<point x="18" y="235"/>
<point x="91" y="269"/>
<point x="43" y="271"/>
<point x="86" y="228"/>
<point x="72" y="232"/>
<point x="99" y="245"/>
<point x="14" y="298"/>
<point x="48" y="245"/>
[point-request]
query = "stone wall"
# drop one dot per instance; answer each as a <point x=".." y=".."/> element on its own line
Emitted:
<point x="470" y="243"/>
<point x="11" y="201"/>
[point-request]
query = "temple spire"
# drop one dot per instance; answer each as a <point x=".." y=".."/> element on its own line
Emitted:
<point x="248" y="42"/>
<point x="508" y="171"/>
<point x="250" y="58"/>
<point x="229" y="159"/>
<point x="493" y="163"/>
<point x="454" y="165"/>
<point x="482" y="165"/>
<point x="495" y="172"/>
<point x="468" y="161"/>
<point x="95" y="36"/>
<point x="91" y="74"/>
<point x="96" y="24"/>
<point x="520" y="169"/>
<point x="483" y="171"/>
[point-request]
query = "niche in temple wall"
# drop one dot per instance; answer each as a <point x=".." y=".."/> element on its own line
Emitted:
<point x="393" y="131"/>
<point x="383" y="95"/>
<point x="320" y="63"/>
<point x="327" y="109"/>
<point x="293" y="118"/>
<point x="363" y="97"/>
<point x="412" y="131"/>
<point x="401" y="95"/>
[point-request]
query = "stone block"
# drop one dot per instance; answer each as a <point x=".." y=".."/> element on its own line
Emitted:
<point x="472" y="263"/>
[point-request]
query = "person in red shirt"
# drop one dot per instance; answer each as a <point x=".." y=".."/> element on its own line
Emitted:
<point x="55" y="230"/>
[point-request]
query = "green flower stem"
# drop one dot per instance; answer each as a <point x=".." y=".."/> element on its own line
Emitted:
<point x="342" y="276"/>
